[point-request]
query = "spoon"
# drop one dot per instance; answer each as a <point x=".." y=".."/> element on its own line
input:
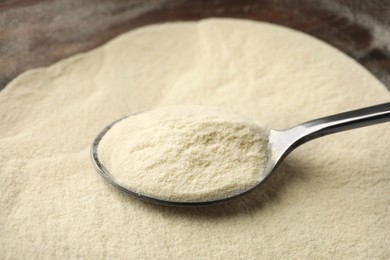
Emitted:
<point x="280" y="144"/>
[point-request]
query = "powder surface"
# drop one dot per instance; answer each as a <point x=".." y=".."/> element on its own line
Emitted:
<point x="185" y="153"/>
<point x="329" y="199"/>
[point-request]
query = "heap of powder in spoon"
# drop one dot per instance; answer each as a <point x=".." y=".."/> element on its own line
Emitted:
<point x="185" y="153"/>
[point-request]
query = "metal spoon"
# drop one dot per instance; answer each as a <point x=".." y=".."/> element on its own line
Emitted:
<point x="281" y="143"/>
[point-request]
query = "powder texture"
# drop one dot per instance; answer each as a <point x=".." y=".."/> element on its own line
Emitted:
<point x="185" y="153"/>
<point x="329" y="199"/>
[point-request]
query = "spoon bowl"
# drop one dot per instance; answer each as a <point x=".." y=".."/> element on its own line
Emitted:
<point x="280" y="144"/>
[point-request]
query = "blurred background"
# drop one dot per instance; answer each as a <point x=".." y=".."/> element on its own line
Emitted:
<point x="37" y="33"/>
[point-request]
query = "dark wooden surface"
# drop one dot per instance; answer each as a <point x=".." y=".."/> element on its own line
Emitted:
<point x="37" y="33"/>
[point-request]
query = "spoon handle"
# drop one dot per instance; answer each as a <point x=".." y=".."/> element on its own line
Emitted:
<point x="342" y="122"/>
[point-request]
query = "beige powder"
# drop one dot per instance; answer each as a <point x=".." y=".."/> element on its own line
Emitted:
<point x="329" y="199"/>
<point x="185" y="153"/>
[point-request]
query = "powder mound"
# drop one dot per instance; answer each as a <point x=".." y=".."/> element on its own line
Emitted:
<point x="185" y="153"/>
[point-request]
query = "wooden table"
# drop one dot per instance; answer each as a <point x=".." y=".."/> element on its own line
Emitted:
<point x="37" y="33"/>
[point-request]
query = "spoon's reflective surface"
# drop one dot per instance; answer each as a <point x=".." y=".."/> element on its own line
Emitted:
<point x="281" y="143"/>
